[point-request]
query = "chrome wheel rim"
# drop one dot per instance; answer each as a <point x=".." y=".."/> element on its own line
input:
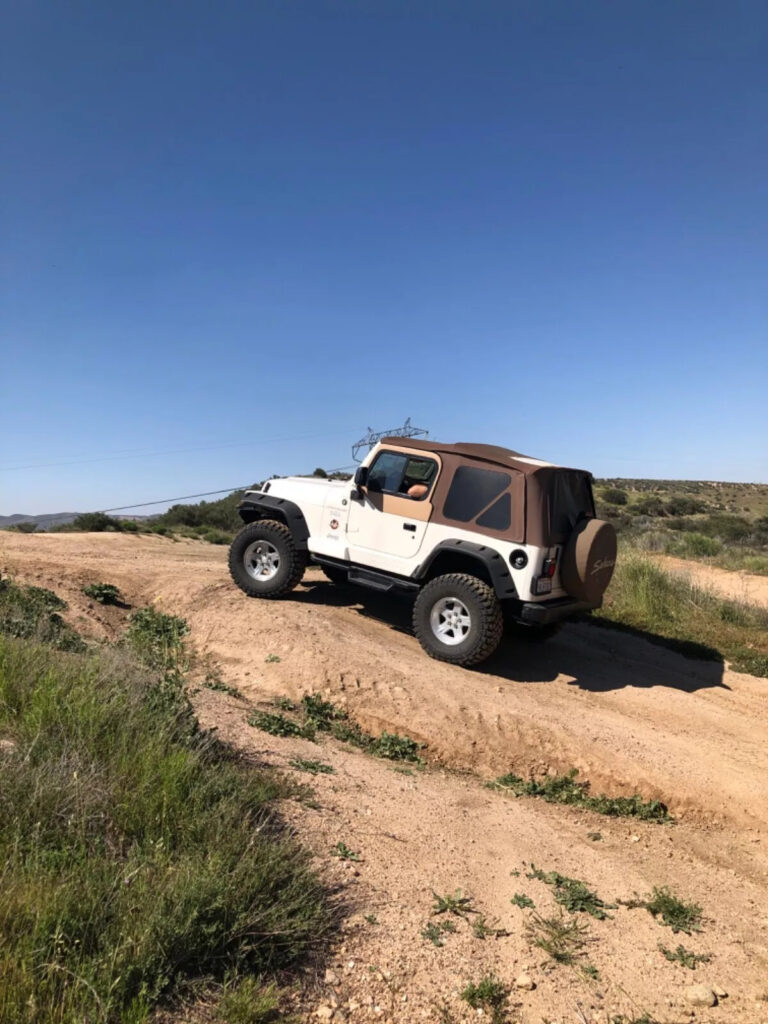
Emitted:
<point x="261" y="560"/>
<point x="450" y="621"/>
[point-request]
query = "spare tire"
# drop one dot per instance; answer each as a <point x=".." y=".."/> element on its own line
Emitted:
<point x="589" y="559"/>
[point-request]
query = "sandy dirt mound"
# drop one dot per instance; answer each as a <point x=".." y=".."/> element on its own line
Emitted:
<point x="629" y="715"/>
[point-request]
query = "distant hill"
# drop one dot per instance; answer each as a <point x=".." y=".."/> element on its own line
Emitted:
<point x="45" y="522"/>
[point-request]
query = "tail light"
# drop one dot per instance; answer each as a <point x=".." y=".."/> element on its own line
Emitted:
<point x="543" y="583"/>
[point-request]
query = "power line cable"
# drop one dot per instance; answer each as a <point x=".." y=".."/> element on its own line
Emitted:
<point x="204" y="494"/>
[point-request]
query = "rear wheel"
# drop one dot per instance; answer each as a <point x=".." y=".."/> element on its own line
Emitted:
<point x="264" y="561"/>
<point x="457" y="618"/>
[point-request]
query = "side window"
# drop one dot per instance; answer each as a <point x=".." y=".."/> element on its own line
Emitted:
<point x="472" y="490"/>
<point x="395" y="473"/>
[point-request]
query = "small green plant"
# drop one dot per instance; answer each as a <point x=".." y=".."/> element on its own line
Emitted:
<point x="158" y="639"/>
<point x="453" y="903"/>
<point x="322" y="713"/>
<point x="343" y="852"/>
<point x="489" y="994"/>
<point x="395" y="748"/>
<point x="249" y="1002"/>
<point x="103" y="593"/>
<point x="565" y="789"/>
<point x="684" y="957"/>
<point x="573" y="894"/>
<point x="562" y="938"/>
<point x="522" y="901"/>
<point x="272" y="658"/>
<point x="591" y="972"/>
<point x="213" y="681"/>
<point x="595" y="837"/>
<point x="677" y="914"/>
<point x="279" y="725"/>
<point x="434" y="932"/>
<point x="482" y="930"/>
<point x="284" y="704"/>
<point x="313" y="767"/>
<point x="371" y="919"/>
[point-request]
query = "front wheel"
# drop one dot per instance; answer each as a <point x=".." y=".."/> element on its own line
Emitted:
<point x="457" y="618"/>
<point x="264" y="561"/>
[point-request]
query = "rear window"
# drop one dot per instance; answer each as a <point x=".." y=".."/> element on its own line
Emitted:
<point x="472" y="490"/>
<point x="570" y="499"/>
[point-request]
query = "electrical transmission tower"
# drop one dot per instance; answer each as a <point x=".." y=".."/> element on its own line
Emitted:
<point x="371" y="438"/>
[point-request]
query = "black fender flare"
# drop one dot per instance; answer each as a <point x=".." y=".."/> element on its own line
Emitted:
<point x="495" y="564"/>
<point x="266" y="506"/>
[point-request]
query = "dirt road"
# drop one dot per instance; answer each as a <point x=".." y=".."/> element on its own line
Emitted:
<point x="630" y="716"/>
<point x="738" y="586"/>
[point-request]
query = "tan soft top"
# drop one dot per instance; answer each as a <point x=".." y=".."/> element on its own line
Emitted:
<point x="486" y="452"/>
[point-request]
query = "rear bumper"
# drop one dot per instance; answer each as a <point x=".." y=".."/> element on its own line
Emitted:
<point x="542" y="613"/>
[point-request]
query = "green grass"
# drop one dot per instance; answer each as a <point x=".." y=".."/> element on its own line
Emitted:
<point x="249" y="1001"/>
<point x="679" y="915"/>
<point x="139" y="856"/>
<point x="573" y="894"/>
<point x="35" y="613"/>
<point x="565" y="789"/>
<point x="491" y="995"/>
<point x="642" y="596"/>
<point x="435" y="933"/>
<point x="561" y="938"/>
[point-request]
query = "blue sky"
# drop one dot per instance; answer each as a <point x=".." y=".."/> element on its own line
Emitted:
<point x="237" y="234"/>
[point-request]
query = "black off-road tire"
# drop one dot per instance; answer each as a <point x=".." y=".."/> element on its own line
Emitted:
<point x="338" y="576"/>
<point x="485" y="618"/>
<point x="290" y="563"/>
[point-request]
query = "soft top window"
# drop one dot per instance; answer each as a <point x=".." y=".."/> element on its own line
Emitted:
<point x="570" y="499"/>
<point x="472" y="490"/>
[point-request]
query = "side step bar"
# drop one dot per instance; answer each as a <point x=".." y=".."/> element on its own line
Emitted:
<point x="381" y="581"/>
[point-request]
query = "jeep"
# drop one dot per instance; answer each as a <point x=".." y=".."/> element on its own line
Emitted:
<point x="476" y="534"/>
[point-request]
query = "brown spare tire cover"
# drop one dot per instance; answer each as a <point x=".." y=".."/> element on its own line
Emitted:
<point x="588" y="559"/>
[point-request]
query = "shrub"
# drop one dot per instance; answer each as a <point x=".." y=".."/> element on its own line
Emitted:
<point x="697" y="545"/>
<point x="650" y="506"/>
<point x="137" y="855"/>
<point x="104" y="593"/>
<point x="34" y="613"/>
<point x="680" y="505"/>
<point x="725" y="526"/>
<point x="95" y="522"/>
<point x="614" y="495"/>
<point x="158" y="639"/>
<point x="25" y="527"/>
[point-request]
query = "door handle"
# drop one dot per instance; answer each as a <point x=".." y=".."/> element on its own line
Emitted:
<point x="410" y="526"/>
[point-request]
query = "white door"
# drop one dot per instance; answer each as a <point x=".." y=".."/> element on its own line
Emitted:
<point x="386" y="526"/>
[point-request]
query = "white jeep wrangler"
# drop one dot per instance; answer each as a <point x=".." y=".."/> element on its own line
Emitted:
<point x="474" y="532"/>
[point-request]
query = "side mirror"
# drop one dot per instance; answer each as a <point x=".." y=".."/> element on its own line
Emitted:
<point x="361" y="479"/>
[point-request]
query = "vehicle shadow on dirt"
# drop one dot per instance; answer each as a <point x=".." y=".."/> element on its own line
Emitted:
<point x="597" y="657"/>
<point x="600" y="659"/>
